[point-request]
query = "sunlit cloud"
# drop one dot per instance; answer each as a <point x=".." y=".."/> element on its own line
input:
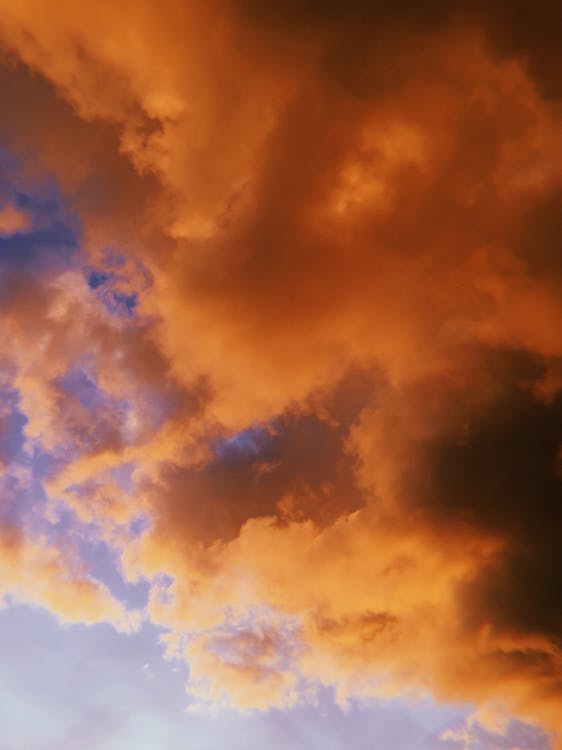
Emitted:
<point x="280" y="366"/>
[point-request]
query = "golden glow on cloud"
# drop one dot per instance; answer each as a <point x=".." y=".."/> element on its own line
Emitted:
<point x="306" y="197"/>
<point x="43" y="576"/>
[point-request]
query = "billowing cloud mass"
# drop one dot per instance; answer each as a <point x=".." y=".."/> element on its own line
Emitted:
<point x="281" y="290"/>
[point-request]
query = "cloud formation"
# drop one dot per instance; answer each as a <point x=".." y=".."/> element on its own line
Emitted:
<point x="300" y="366"/>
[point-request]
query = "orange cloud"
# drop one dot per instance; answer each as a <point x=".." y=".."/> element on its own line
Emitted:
<point x="12" y="220"/>
<point x="350" y="217"/>
<point x="42" y="575"/>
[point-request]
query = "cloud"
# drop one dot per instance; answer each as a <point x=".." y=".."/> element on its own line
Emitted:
<point x="43" y="575"/>
<point x="314" y="311"/>
<point x="12" y="220"/>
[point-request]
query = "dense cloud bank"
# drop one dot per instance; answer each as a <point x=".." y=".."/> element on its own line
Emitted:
<point x="298" y="363"/>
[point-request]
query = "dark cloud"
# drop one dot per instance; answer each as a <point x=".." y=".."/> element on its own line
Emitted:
<point x="522" y="29"/>
<point x="293" y="469"/>
<point x="537" y="235"/>
<point x="500" y="474"/>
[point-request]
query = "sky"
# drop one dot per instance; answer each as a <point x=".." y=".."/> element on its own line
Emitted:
<point x="280" y="375"/>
